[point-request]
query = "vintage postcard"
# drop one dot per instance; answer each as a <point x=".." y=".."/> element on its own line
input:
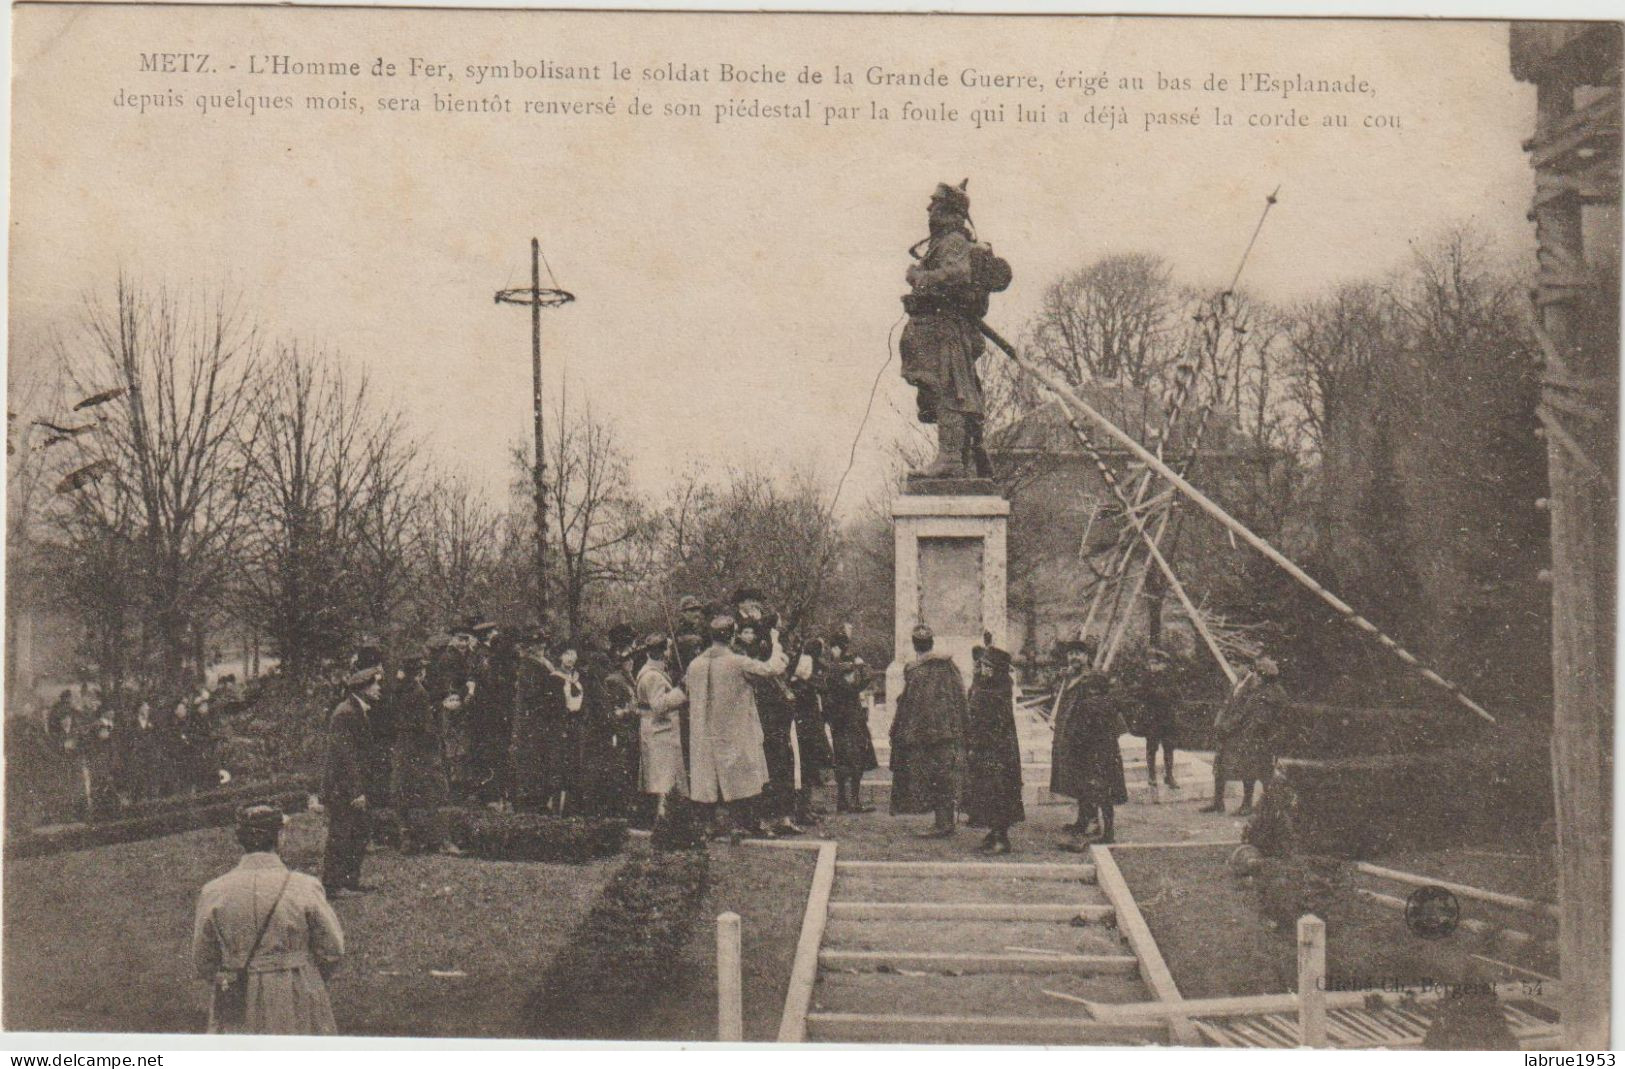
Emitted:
<point x="811" y="528"/>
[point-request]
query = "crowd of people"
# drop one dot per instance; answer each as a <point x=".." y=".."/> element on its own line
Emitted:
<point x="123" y="747"/>
<point x="726" y="711"/>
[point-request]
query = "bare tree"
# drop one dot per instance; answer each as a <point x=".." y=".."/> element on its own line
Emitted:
<point x="596" y="522"/>
<point x="172" y="384"/>
<point x="461" y="547"/>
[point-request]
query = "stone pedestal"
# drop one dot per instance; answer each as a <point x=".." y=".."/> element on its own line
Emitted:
<point x="950" y="575"/>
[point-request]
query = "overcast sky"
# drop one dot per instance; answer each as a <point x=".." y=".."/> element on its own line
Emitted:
<point x="736" y="282"/>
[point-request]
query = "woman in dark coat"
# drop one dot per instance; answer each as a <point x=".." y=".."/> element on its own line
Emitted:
<point x="854" y="749"/>
<point x="992" y="751"/>
<point x="1086" y="763"/>
<point x="610" y="698"/>
<point x="812" y="741"/>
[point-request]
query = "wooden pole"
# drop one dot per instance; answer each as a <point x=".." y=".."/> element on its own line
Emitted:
<point x="730" y="990"/>
<point x="1133" y="516"/>
<point x="1060" y="389"/>
<point x="539" y="470"/>
<point x="1584" y="508"/>
<point x="1311" y="981"/>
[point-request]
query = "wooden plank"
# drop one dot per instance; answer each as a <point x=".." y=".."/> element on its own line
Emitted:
<point x="804" y="971"/>
<point x="943" y="961"/>
<point x="1461" y="890"/>
<point x="968" y="911"/>
<point x="925" y="1028"/>
<point x="1153" y="970"/>
<point x="970" y="870"/>
<point x="1256" y="1005"/>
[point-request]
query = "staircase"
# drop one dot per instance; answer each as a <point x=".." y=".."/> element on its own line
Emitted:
<point x="971" y="952"/>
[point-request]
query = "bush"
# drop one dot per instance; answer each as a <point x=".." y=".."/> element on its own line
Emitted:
<point x="624" y="949"/>
<point x="1368" y="806"/>
<point x="240" y="792"/>
<point x="1292" y="886"/>
<point x="532" y="836"/>
<point x="1313" y="731"/>
<point x="211" y="812"/>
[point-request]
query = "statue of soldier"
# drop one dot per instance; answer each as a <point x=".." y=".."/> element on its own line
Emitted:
<point x="949" y="288"/>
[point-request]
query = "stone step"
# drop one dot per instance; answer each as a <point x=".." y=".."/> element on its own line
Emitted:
<point x="971" y="937"/>
<point x="940" y="889"/>
<point x="931" y="1028"/>
<point x="961" y="963"/>
<point x="921" y="993"/>
<point x="970" y="870"/>
<point x="1059" y="912"/>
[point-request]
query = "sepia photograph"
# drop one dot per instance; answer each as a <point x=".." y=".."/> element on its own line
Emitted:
<point x="882" y="529"/>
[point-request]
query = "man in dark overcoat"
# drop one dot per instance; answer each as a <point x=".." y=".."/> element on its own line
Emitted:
<point x="1086" y="763"/>
<point x="1245" y="728"/>
<point x="928" y="736"/>
<point x="993" y="751"/>
<point x="1157" y="715"/>
<point x="344" y="787"/>
<point x="421" y="784"/>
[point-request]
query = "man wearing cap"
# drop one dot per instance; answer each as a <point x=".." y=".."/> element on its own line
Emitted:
<point x="1156" y="716"/>
<point x="660" y="770"/>
<point x="421" y="784"/>
<point x="1086" y="763"/>
<point x="266" y="940"/>
<point x="941" y="343"/>
<point x="344" y="788"/>
<point x="928" y="736"/>
<point x="1245" y="728"/>
<point x="726" y="761"/>
<point x="993" y="751"/>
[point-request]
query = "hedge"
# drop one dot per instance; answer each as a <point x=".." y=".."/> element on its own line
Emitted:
<point x="1368" y="806"/>
<point x="213" y="812"/>
<point x="1308" y="730"/>
<point x="624" y="949"/>
<point x="246" y="792"/>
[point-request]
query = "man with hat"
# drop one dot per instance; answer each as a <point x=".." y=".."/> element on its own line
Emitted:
<point x="421" y="781"/>
<point x="928" y="736"/>
<point x="266" y="940"/>
<point x="689" y="637"/>
<point x="774" y="705"/>
<point x="726" y="761"/>
<point x="1086" y="763"/>
<point x="344" y="788"/>
<point x="1157" y="715"/>
<point x="1245" y="728"/>
<point x="948" y="297"/>
<point x="993" y="750"/>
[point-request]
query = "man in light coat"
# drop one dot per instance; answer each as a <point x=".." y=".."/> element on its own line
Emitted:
<point x="726" y="761"/>
<point x="276" y="924"/>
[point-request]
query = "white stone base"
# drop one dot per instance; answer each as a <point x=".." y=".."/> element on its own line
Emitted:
<point x="951" y="575"/>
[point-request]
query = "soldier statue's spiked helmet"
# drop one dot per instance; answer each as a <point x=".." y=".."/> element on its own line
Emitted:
<point x="952" y="198"/>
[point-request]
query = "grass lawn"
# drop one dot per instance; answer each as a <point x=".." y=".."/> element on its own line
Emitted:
<point x="1216" y="942"/>
<point x="99" y="940"/>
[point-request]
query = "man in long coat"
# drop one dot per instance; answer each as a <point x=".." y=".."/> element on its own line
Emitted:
<point x="843" y="682"/>
<point x="928" y="736"/>
<point x="301" y="943"/>
<point x="421" y="785"/>
<point x="1157" y="716"/>
<point x="1086" y="763"/>
<point x="993" y="751"/>
<point x="344" y="788"/>
<point x="1245" y="727"/>
<point x="726" y="762"/>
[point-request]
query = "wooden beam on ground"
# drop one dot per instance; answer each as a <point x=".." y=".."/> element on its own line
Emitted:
<point x="1153" y="970"/>
<point x="804" y="970"/>
<point x="926" y="1028"/>
<point x="968" y="911"/>
<point x="1253" y="1005"/>
<point x="970" y="870"/>
<point x="947" y="962"/>
<point x="1461" y="890"/>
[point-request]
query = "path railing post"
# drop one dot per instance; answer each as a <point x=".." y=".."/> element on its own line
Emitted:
<point x="730" y="992"/>
<point x="1311" y="980"/>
